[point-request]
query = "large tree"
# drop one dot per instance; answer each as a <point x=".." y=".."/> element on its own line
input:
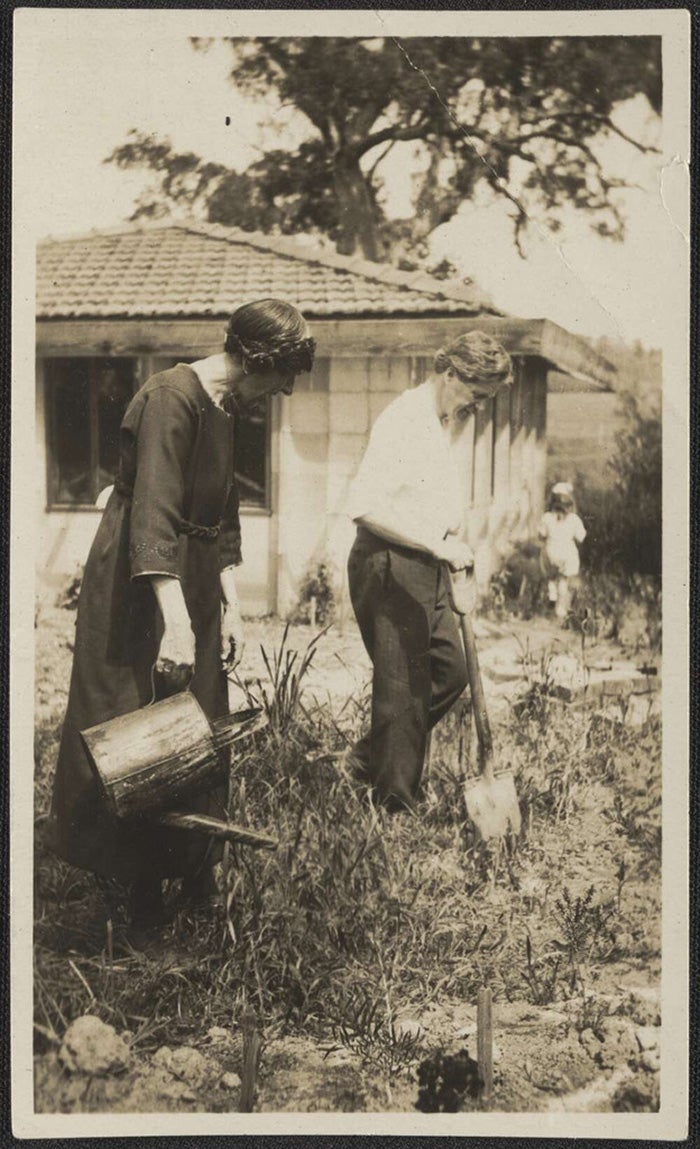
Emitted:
<point x="523" y="115"/>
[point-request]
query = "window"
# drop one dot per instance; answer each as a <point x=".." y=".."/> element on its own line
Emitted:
<point x="85" y="403"/>
<point x="251" y="437"/>
<point x="421" y="368"/>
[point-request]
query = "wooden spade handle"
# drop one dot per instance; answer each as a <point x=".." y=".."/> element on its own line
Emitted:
<point x="481" y="718"/>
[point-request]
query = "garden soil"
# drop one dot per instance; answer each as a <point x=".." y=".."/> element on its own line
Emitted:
<point x="594" y="1051"/>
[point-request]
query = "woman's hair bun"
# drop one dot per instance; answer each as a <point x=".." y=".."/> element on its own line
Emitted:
<point x="476" y="357"/>
<point x="268" y="335"/>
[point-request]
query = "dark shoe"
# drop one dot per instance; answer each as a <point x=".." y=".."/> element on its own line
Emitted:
<point x="200" y="889"/>
<point x="147" y="913"/>
<point x="397" y="804"/>
<point x="354" y="766"/>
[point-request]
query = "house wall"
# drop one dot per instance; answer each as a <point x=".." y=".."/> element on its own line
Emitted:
<point x="324" y="436"/>
<point x="318" y="437"/>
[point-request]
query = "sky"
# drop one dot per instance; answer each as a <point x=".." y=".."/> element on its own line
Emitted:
<point x="93" y="90"/>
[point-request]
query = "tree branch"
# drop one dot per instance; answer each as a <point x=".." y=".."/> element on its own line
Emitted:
<point x="605" y="122"/>
<point x="370" y="172"/>
<point x="395" y="134"/>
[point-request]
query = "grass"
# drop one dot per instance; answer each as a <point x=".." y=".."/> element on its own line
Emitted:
<point x="359" y="915"/>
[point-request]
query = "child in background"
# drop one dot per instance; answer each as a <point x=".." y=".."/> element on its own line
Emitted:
<point x="562" y="532"/>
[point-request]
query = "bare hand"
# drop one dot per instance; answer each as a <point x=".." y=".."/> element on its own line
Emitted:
<point x="176" y="656"/>
<point x="232" y="636"/>
<point x="456" y="554"/>
<point x="463" y="592"/>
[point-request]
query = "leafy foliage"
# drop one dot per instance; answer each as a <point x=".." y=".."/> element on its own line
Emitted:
<point x="360" y="1024"/>
<point x="624" y="524"/>
<point x="318" y="587"/>
<point x="520" y="115"/>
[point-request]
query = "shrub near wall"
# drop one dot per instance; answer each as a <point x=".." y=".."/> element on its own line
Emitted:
<point x="624" y="524"/>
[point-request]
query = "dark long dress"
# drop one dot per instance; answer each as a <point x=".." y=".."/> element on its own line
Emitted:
<point x="176" y="470"/>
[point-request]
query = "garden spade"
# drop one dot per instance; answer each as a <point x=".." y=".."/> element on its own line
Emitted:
<point x="492" y="803"/>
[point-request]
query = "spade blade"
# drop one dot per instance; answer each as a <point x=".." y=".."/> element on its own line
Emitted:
<point x="493" y="806"/>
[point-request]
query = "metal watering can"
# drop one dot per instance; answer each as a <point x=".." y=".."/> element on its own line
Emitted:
<point x="152" y="758"/>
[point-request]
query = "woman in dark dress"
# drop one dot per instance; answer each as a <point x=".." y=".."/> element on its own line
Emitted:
<point x="158" y="603"/>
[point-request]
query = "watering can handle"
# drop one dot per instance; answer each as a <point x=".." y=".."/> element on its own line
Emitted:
<point x="154" y="692"/>
<point x="481" y="718"/>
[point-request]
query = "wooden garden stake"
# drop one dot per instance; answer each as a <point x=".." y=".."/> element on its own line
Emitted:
<point x="251" y="1057"/>
<point x="484" y="1042"/>
<point x="110" y="945"/>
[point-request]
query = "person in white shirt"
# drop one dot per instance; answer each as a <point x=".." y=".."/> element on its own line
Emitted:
<point x="562" y="533"/>
<point x="407" y="502"/>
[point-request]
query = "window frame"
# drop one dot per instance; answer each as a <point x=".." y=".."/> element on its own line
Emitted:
<point x="143" y="368"/>
<point x="266" y="507"/>
<point x="50" y="426"/>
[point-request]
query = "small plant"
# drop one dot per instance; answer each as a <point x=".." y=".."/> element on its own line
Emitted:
<point x="634" y="820"/>
<point x="541" y="975"/>
<point x="591" y="1014"/>
<point x="281" y="699"/>
<point x="584" y="923"/>
<point x="517" y="588"/>
<point x="363" y="1026"/>
<point x="317" y="597"/>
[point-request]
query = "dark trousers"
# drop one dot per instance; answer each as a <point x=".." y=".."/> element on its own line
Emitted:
<point x="400" y="601"/>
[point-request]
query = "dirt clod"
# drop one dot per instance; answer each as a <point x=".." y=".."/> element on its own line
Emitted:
<point x="651" y="1061"/>
<point x="91" y="1046"/>
<point x="642" y="1006"/>
<point x="618" y="1044"/>
<point x="446" y="1081"/>
<point x="648" y="1037"/>
<point x="640" y="1095"/>
<point x="185" y="1063"/>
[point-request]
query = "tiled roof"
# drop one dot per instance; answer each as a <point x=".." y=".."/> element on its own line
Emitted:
<point x="198" y="270"/>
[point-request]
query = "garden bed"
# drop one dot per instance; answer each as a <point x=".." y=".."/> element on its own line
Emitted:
<point x="362" y="941"/>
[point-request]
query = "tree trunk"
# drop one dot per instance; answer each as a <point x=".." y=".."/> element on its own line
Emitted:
<point x="356" y="209"/>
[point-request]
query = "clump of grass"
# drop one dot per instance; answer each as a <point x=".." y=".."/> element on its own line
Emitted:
<point x="281" y="696"/>
<point x="357" y="912"/>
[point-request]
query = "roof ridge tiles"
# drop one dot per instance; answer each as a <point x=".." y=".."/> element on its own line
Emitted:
<point x="353" y="271"/>
<point x="419" y="280"/>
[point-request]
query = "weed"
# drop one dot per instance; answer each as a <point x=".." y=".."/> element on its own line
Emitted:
<point x="363" y="1025"/>
<point x="317" y="596"/>
<point x="591" y="1014"/>
<point x="281" y="699"/>
<point x="586" y="928"/>
<point x="638" y="821"/>
<point x="541" y="976"/>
